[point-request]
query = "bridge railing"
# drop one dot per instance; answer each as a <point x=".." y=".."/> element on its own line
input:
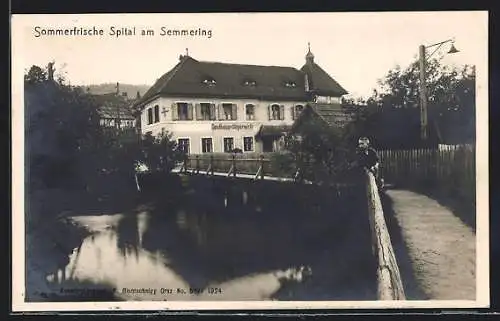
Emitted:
<point x="232" y="165"/>
<point x="390" y="286"/>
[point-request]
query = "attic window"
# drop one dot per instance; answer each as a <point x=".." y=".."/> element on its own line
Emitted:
<point x="209" y="81"/>
<point x="290" y="84"/>
<point x="250" y="83"/>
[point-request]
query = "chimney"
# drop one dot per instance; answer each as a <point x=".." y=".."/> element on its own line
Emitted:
<point x="51" y="71"/>
<point x="138" y="96"/>
<point x="117" y="88"/>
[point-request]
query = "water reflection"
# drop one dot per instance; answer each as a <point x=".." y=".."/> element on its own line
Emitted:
<point x="230" y="243"/>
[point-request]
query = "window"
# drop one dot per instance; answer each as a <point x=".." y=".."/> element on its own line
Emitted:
<point x="250" y="83"/>
<point x="182" y="111"/>
<point x="248" y="144"/>
<point x="209" y="81"/>
<point x="228" y="112"/>
<point x="328" y="100"/>
<point x="228" y="144"/>
<point x="276" y="112"/>
<point x="206" y="145"/>
<point x="183" y="145"/>
<point x="205" y="111"/>
<point x="150" y="116"/>
<point x="250" y="111"/>
<point x="157" y="113"/>
<point x="296" y="110"/>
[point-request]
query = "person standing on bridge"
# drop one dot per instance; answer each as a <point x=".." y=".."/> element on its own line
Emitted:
<point x="367" y="158"/>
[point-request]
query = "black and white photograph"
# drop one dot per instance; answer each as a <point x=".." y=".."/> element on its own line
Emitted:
<point x="250" y="161"/>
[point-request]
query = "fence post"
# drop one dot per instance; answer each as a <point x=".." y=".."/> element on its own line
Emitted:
<point x="234" y="164"/>
<point x="261" y="166"/>
<point x="212" y="165"/>
<point x="197" y="164"/>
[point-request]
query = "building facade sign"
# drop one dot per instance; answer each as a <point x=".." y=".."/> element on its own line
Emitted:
<point x="234" y="126"/>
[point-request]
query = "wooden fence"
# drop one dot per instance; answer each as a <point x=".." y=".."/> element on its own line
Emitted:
<point x="450" y="167"/>
<point x="390" y="285"/>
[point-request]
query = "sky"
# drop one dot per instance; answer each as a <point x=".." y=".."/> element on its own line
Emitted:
<point x="356" y="49"/>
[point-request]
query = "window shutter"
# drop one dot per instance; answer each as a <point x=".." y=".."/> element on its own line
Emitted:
<point x="175" y="113"/>
<point x="282" y="112"/>
<point x="269" y="112"/>
<point x="150" y="116"/>
<point x="198" y="112"/>
<point x="212" y="111"/>
<point x="293" y="112"/>
<point x="221" y="112"/>
<point x="234" y="112"/>
<point x="157" y="113"/>
<point x="190" y="112"/>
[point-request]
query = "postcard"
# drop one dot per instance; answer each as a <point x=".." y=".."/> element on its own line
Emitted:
<point x="243" y="161"/>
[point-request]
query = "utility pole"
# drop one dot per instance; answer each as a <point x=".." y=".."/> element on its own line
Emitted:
<point x="423" y="95"/>
<point x="118" y="101"/>
<point x="423" y="86"/>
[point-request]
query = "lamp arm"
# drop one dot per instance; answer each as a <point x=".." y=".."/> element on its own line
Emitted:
<point x="428" y="56"/>
<point x="439" y="44"/>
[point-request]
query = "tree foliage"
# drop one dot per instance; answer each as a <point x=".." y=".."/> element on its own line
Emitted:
<point x="391" y="116"/>
<point x="314" y="147"/>
<point x="66" y="147"/>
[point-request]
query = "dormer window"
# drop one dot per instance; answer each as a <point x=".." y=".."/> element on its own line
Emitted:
<point x="250" y="83"/>
<point x="290" y="84"/>
<point x="209" y="81"/>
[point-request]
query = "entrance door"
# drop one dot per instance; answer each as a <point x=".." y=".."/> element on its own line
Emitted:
<point x="267" y="144"/>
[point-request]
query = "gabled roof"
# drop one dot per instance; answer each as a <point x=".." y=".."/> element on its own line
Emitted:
<point x="116" y="112"/>
<point x="187" y="79"/>
<point x="321" y="82"/>
<point x="113" y="106"/>
<point x="273" y="130"/>
<point x="330" y="114"/>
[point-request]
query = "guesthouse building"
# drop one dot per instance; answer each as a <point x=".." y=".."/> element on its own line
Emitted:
<point x="213" y="107"/>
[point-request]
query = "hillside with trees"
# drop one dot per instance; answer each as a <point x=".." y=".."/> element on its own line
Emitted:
<point x="106" y="88"/>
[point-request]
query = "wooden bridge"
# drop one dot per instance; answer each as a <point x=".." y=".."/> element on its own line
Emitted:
<point x="230" y="167"/>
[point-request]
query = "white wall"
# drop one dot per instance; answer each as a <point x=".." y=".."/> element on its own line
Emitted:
<point x="197" y="129"/>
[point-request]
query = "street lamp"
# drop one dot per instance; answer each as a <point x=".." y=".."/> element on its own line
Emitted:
<point x="423" y="90"/>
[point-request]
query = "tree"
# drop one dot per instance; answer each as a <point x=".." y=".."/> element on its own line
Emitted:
<point x="67" y="147"/>
<point x="61" y="125"/>
<point x="314" y="147"/>
<point x="35" y="75"/>
<point x="391" y="116"/>
<point x="160" y="153"/>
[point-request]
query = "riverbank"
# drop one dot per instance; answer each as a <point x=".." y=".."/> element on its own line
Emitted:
<point x="51" y="237"/>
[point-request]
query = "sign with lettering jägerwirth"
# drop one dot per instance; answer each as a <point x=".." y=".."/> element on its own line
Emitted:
<point x="219" y="126"/>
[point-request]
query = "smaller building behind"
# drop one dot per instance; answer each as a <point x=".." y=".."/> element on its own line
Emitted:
<point x="116" y="110"/>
